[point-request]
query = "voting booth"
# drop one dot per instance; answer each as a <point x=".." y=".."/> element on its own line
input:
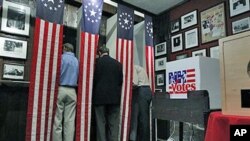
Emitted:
<point x="194" y="73"/>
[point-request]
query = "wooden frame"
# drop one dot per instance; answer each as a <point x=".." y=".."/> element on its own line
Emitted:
<point x="160" y="64"/>
<point x="238" y="6"/>
<point x="201" y="52"/>
<point x="15" y="18"/>
<point x="13" y="48"/>
<point x="161" y="49"/>
<point x="176" y="43"/>
<point x="241" y="25"/>
<point x="213" y="24"/>
<point x="13" y="71"/>
<point x="189" y="19"/>
<point x="191" y="38"/>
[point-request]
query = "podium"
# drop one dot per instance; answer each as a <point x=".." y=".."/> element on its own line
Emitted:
<point x="194" y="73"/>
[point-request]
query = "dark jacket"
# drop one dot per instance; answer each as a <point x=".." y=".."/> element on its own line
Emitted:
<point x="108" y="79"/>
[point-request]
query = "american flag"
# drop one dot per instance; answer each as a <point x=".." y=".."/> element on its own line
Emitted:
<point x="45" y="69"/>
<point x="124" y="54"/>
<point x="181" y="78"/>
<point x="92" y="13"/>
<point x="149" y="53"/>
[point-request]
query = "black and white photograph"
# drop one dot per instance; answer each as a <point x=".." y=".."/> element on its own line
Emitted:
<point x="15" y="18"/>
<point x="214" y="52"/>
<point x="181" y="56"/>
<point x="160" y="79"/>
<point x="201" y="52"/>
<point x="70" y="16"/>
<point x="13" y="48"/>
<point x="160" y="49"/>
<point x="176" y="43"/>
<point x="175" y="26"/>
<point x="160" y="64"/>
<point x="241" y="25"/>
<point x="189" y="19"/>
<point x="191" y="38"/>
<point x="238" y="7"/>
<point x="13" y="71"/>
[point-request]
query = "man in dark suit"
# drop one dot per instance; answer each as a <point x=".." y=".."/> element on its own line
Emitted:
<point x="108" y="80"/>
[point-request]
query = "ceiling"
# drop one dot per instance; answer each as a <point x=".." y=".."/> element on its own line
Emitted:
<point x="154" y="6"/>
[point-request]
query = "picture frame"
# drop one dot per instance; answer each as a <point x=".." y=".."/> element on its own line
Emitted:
<point x="213" y="25"/>
<point x="201" y="52"/>
<point x="181" y="56"/>
<point x="160" y="64"/>
<point x="13" y="48"/>
<point x="214" y="52"/>
<point x="176" y="43"/>
<point x="241" y="25"/>
<point x="161" y="49"/>
<point x="70" y="16"/>
<point x="15" y="18"/>
<point x="238" y="6"/>
<point x="160" y="79"/>
<point x="189" y="19"/>
<point x="13" y="71"/>
<point x="191" y="38"/>
<point x="175" y="25"/>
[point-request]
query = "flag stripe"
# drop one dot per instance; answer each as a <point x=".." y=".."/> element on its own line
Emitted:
<point x="150" y="66"/>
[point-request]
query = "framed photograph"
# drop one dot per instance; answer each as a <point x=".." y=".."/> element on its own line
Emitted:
<point x="213" y="24"/>
<point x="238" y="7"/>
<point x="15" y="18"/>
<point x="182" y="56"/>
<point x="201" y="52"/>
<point x="160" y="64"/>
<point x="70" y="16"/>
<point x="191" y="38"/>
<point x="214" y="52"/>
<point x="161" y="49"/>
<point x="13" y="48"/>
<point x="189" y="19"/>
<point x="176" y="43"/>
<point x="13" y="71"/>
<point x="175" y="26"/>
<point x="241" y="25"/>
<point x="160" y="79"/>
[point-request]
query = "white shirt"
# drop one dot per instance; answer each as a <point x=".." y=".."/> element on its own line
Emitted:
<point x="140" y="77"/>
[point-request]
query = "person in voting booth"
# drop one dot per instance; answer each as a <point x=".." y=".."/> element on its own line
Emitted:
<point x="64" y="122"/>
<point x="141" y="99"/>
<point x="108" y="79"/>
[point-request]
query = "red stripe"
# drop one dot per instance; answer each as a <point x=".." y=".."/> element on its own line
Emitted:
<point x="190" y="70"/>
<point x="40" y="97"/>
<point x="49" y="81"/>
<point x="153" y="70"/>
<point x="191" y="81"/>
<point x="32" y="79"/>
<point x="190" y="75"/>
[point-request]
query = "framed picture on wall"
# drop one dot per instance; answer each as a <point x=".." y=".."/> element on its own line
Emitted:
<point x="160" y="79"/>
<point x="181" y="56"/>
<point x="176" y="43"/>
<point x="214" y="52"/>
<point x="13" y="48"/>
<point x="13" y="71"/>
<point x="189" y="19"/>
<point x="175" y="25"/>
<point x="201" y="52"/>
<point x="241" y="25"/>
<point x="213" y="26"/>
<point x="160" y="49"/>
<point x="70" y="16"/>
<point x="15" y="18"/>
<point x="238" y="7"/>
<point x="160" y="64"/>
<point x="191" y="38"/>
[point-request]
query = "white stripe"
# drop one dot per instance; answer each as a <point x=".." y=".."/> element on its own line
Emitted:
<point x="37" y="82"/>
<point x="84" y="78"/>
<point x="91" y="75"/>
<point x="119" y="49"/>
<point x="45" y="82"/>
<point x="53" y="82"/>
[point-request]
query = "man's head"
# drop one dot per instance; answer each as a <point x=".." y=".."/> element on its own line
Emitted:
<point x="103" y="50"/>
<point x="67" y="47"/>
